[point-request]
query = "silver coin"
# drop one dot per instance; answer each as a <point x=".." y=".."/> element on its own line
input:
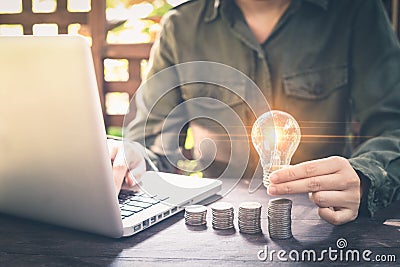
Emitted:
<point x="281" y="236"/>
<point x="227" y="225"/>
<point x="195" y="218"/>
<point x="196" y="208"/>
<point x="196" y="223"/>
<point x="249" y="221"/>
<point x="221" y="206"/>
<point x="219" y="219"/>
<point x="250" y="212"/>
<point x="279" y="218"/>
<point x="250" y="228"/>
<point x="279" y="201"/>
<point x="250" y="231"/>
<point x="249" y="217"/>
<point x="222" y="222"/>
<point x="230" y="217"/>
<point x="250" y="205"/>
<point x="195" y="215"/>
<point x="222" y="214"/>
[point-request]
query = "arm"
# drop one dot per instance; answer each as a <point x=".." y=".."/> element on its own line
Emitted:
<point x="130" y="158"/>
<point x="335" y="184"/>
<point x="154" y="103"/>
<point x="376" y="98"/>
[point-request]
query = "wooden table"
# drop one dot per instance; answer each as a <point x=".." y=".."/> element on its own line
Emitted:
<point x="172" y="242"/>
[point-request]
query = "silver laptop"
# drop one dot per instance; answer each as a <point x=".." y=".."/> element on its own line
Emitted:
<point x="55" y="165"/>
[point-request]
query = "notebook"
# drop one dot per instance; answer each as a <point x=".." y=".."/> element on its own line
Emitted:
<point x="55" y="165"/>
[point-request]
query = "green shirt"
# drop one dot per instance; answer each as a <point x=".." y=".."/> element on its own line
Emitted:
<point x="333" y="65"/>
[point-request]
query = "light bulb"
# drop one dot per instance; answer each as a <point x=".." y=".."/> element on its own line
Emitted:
<point x="276" y="136"/>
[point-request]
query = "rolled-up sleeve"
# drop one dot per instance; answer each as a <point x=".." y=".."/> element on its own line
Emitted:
<point x="154" y="101"/>
<point x="375" y="65"/>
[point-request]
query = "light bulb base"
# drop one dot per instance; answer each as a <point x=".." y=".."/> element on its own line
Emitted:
<point x="266" y="181"/>
<point x="267" y="172"/>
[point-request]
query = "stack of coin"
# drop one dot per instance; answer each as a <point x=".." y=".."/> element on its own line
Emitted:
<point x="279" y="218"/>
<point x="222" y="215"/>
<point x="195" y="215"/>
<point x="249" y="217"/>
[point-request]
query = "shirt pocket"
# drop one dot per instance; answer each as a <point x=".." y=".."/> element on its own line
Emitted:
<point x="315" y="84"/>
<point x="228" y="92"/>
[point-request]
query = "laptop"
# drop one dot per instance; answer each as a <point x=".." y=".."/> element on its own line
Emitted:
<point x="55" y="165"/>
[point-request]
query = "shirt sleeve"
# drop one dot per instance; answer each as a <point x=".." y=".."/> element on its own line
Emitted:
<point x="375" y="83"/>
<point x="154" y="101"/>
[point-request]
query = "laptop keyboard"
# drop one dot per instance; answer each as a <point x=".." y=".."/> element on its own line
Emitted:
<point x="134" y="202"/>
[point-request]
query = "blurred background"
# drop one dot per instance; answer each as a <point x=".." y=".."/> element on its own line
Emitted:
<point x="120" y="32"/>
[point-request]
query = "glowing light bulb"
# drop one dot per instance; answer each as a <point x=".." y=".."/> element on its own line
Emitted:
<point x="276" y="136"/>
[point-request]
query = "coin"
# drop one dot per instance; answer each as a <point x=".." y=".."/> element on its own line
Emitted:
<point x="279" y="218"/>
<point x="196" y="209"/>
<point x="222" y="215"/>
<point x="249" y="218"/>
<point x="221" y="206"/>
<point x="195" y="215"/>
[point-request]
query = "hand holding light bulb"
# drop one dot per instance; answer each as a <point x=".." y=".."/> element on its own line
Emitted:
<point x="332" y="183"/>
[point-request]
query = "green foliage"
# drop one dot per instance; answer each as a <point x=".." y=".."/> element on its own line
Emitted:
<point x="159" y="11"/>
<point x="114" y="131"/>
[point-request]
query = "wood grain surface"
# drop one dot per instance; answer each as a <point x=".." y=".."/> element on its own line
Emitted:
<point x="173" y="243"/>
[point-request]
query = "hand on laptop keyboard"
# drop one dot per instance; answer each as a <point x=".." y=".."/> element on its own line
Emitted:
<point x="126" y="174"/>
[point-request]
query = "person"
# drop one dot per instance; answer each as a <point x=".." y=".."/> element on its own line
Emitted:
<point x="331" y="64"/>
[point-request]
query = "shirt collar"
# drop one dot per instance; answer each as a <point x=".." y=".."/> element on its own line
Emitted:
<point x="212" y="11"/>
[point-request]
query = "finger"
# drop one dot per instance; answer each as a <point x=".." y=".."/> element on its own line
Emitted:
<point x="308" y="169"/>
<point x="337" y="217"/>
<point x="326" y="199"/>
<point x="135" y="171"/>
<point x="112" y="148"/>
<point x="131" y="183"/>
<point x="119" y="169"/>
<point x="312" y="184"/>
<point x="131" y="180"/>
<point x="134" y="188"/>
<point x="134" y="156"/>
